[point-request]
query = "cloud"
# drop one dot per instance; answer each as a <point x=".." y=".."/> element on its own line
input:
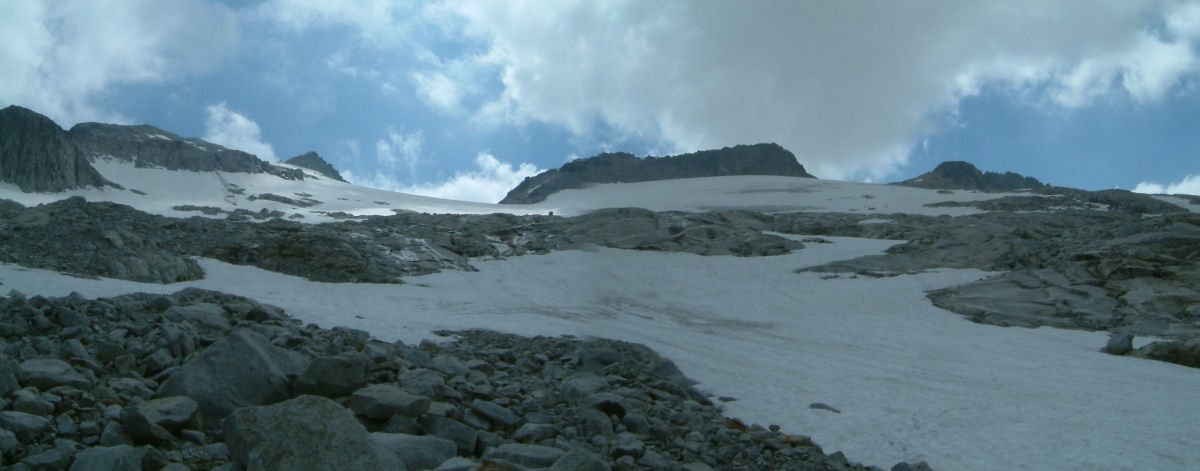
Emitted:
<point x="61" y="58"/>
<point x="487" y="183"/>
<point x="234" y="130"/>
<point x="1190" y="185"/>
<point x="849" y="87"/>
<point x="400" y="148"/>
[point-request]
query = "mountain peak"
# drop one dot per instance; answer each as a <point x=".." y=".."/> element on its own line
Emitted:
<point x="312" y="161"/>
<point x="622" y="167"/>
<point x="38" y="156"/>
<point x="959" y="175"/>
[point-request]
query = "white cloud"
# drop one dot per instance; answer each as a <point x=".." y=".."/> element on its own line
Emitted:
<point x="487" y="183"/>
<point x="1190" y="185"/>
<point x="400" y="148"/>
<point x="234" y="130"/>
<point x="60" y="57"/>
<point x="849" y="87"/>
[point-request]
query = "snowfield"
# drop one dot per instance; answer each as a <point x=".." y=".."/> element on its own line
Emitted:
<point x="912" y="382"/>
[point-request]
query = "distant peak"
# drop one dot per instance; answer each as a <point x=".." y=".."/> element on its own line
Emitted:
<point x="960" y="175"/>
<point x="312" y="161"/>
<point x="622" y="167"/>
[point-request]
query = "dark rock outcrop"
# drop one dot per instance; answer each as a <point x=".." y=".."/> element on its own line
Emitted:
<point x="958" y="175"/>
<point x="38" y="156"/>
<point x="312" y="161"/>
<point x="148" y="146"/>
<point x="758" y="159"/>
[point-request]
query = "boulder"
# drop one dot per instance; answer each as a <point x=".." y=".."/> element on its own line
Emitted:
<point x="158" y="420"/>
<point x="333" y="376"/>
<point x="243" y="369"/>
<point x="105" y="458"/>
<point x="417" y="452"/>
<point x="46" y="374"/>
<point x="308" y="432"/>
<point x="531" y="456"/>
<point x="381" y="401"/>
<point x="1119" y="344"/>
<point x="25" y="426"/>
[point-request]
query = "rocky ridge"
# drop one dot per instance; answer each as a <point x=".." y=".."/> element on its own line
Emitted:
<point x="145" y="382"/>
<point x="39" y="156"/>
<point x="758" y="159"/>
<point x="958" y="175"/>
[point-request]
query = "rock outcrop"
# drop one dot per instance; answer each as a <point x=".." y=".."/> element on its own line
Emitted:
<point x="758" y="159"/>
<point x="38" y="156"/>
<point x="958" y="175"/>
<point x="312" y="161"/>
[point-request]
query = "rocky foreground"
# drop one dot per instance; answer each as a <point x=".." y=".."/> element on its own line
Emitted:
<point x="205" y="380"/>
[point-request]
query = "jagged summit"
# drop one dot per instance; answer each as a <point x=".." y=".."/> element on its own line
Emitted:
<point x="621" y="167"/>
<point x="959" y="175"/>
<point x="312" y="161"/>
<point x="39" y="156"/>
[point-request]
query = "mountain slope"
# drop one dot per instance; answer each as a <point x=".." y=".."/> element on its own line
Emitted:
<point x="758" y="159"/>
<point x="148" y="146"/>
<point x="958" y="175"/>
<point x="38" y="156"/>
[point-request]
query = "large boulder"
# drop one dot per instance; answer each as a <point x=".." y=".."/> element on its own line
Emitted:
<point x="106" y="458"/>
<point x="308" y="432"/>
<point x="46" y="374"/>
<point x="417" y="452"/>
<point x="243" y="369"/>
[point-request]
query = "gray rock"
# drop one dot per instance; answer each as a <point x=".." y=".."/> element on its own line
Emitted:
<point x="422" y="382"/>
<point x="8" y="441"/>
<point x="114" y="435"/>
<point x="463" y="436"/>
<point x="309" y="432"/>
<point x="203" y="315"/>
<point x="46" y="374"/>
<point x="1119" y="344"/>
<point x="157" y="420"/>
<point x="450" y="365"/>
<point x="333" y="376"/>
<point x="39" y="156"/>
<point x="380" y="401"/>
<point x="25" y="426"/>
<point x="581" y="385"/>
<point x="8" y="375"/>
<point x="240" y="370"/>
<point x="579" y="460"/>
<point x="495" y="413"/>
<point x="532" y="456"/>
<point x="457" y="463"/>
<point x="53" y="459"/>
<point x="628" y="444"/>
<point x="535" y="432"/>
<point x="608" y="403"/>
<point x="417" y="452"/>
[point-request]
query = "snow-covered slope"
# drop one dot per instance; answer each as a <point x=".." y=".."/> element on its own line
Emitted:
<point x="161" y="191"/>
<point x="911" y="381"/>
<point x="761" y="193"/>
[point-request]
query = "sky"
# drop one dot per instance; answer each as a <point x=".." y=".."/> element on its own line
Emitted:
<point x="463" y="99"/>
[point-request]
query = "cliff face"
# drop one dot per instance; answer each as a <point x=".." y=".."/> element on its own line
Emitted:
<point x="958" y="175"/>
<point x="758" y="159"/>
<point x="38" y="156"/>
<point x="312" y="161"/>
<point x="148" y="146"/>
